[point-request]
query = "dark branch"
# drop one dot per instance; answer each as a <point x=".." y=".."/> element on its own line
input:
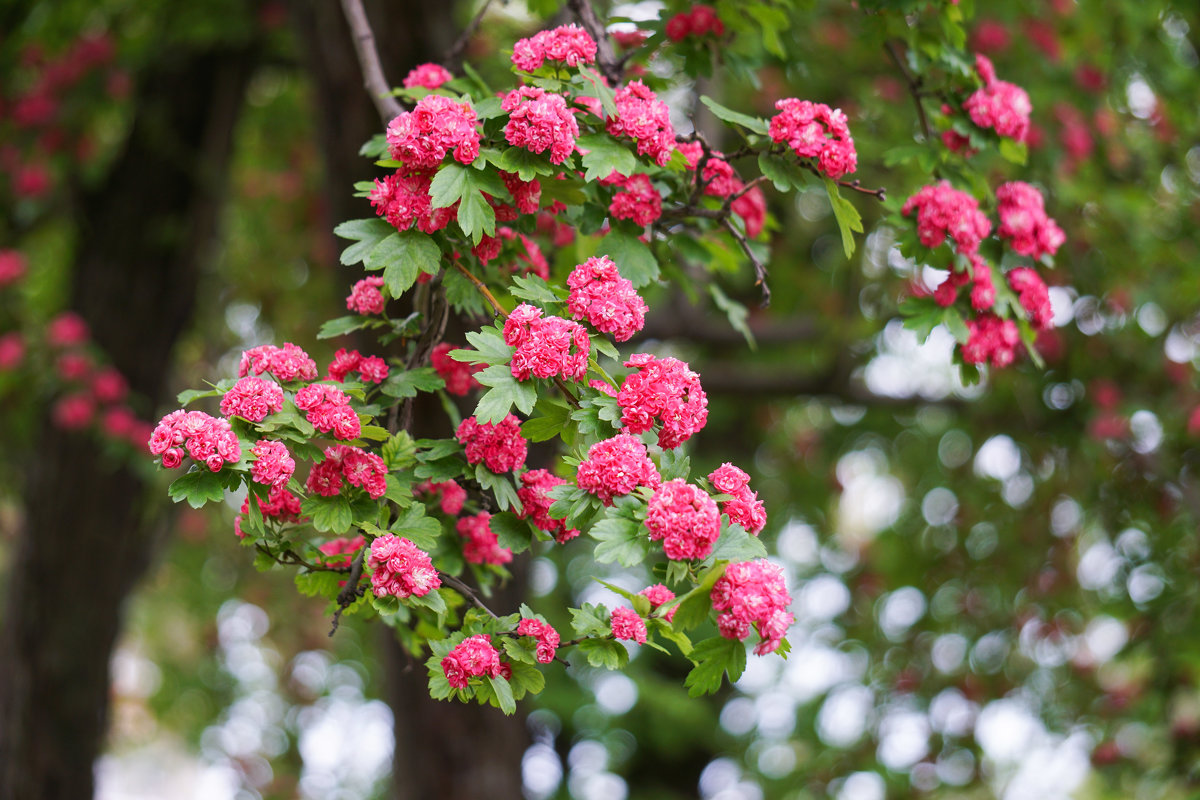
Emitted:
<point x="760" y="269"/>
<point x="368" y="58"/>
<point x="455" y="53"/>
<point x="351" y="591"/>
<point x="914" y="85"/>
<point x="606" y="59"/>
<point x="469" y="593"/>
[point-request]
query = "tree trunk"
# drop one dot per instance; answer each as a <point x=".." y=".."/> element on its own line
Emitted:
<point x="86" y="538"/>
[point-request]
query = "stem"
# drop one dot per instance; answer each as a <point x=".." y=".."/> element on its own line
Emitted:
<point x="469" y="593"/>
<point x="454" y="54"/>
<point x="368" y="58"/>
<point x="290" y="558"/>
<point x="606" y="59"/>
<point x="914" y="86"/>
<point x="351" y="591"/>
<point x="492" y="301"/>
<point x="760" y="269"/>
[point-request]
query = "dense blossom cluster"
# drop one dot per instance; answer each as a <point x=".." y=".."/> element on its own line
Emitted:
<point x="253" y="399"/>
<point x="281" y="505"/>
<point x="607" y="301"/>
<point x="641" y="116"/>
<point x="992" y="339"/>
<point x="527" y="195"/>
<point x="208" y="440"/>
<point x="480" y="544"/>
<point x="660" y="595"/>
<point x="429" y="76"/>
<point x="998" y="104"/>
<point x="421" y="138"/>
<point x="626" y="624"/>
<point x="328" y="409"/>
<point x="637" y="200"/>
<point x="1024" y="223"/>
<point x="745" y="508"/>
<point x="452" y="495"/>
<point x="685" y="519"/>
<point x="719" y="177"/>
<point x="663" y="390"/>
<point x="567" y="44"/>
<point x="546" y="346"/>
<point x="458" y="375"/>
<point x="539" y="121"/>
<point x="339" y="552"/>
<point x="616" y="467"/>
<point x="372" y="369"/>
<point x="944" y="211"/>
<point x="473" y="657"/>
<point x="401" y="569"/>
<point x="701" y="20"/>
<point x="403" y="199"/>
<point x="753" y="593"/>
<point x="535" y="503"/>
<point x="547" y="638"/>
<point x="814" y="130"/>
<point x="1033" y="295"/>
<point x="365" y="295"/>
<point x="287" y="363"/>
<point x="498" y="446"/>
<point x="12" y="266"/>
<point x="273" y="464"/>
<point x="358" y="467"/>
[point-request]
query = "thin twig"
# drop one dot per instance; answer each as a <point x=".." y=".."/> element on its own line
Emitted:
<point x="914" y="85"/>
<point x="454" y="54"/>
<point x="492" y="301"/>
<point x="606" y="58"/>
<point x="290" y="558"/>
<point x="760" y="269"/>
<point x="368" y="58"/>
<point x="469" y="593"/>
<point x="351" y="591"/>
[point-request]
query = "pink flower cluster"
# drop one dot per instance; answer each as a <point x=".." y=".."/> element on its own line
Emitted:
<point x="659" y="595"/>
<point x="499" y="446"/>
<point x="473" y="657"/>
<point x="685" y="519"/>
<point x="365" y="297"/>
<point x="616" y="467"/>
<point x="546" y="346"/>
<point x="547" y="637"/>
<point x="481" y="545"/>
<point x="458" y="375"/>
<point x="358" y="467"/>
<point x="745" y="508"/>
<point x="429" y="76"/>
<point x="209" y="441"/>
<point x="568" y="44"/>
<point x="992" y="339"/>
<point x="814" y="130"/>
<point x="536" y="502"/>
<point x="67" y="330"/>
<point x="753" y="593"/>
<point x="401" y="569"/>
<point x="452" y="495"/>
<point x="719" y="177"/>
<point x="626" y="624"/>
<point x="12" y="266"/>
<point x="281" y="505"/>
<point x="700" y="21"/>
<point x="253" y="399"/>
<point x="944" y="211"/>
<point x="287" y="363"/>
<point x="403" y="199"/>
<point x="663" y="390"/>
<point x="340" y="551"/>
<point x="526" y="194"/>
<point x="641" y="116"/>
<point x="539" y="121"/>
<point x="1024" y="223"/>
<point x="999" y="105"/>
<point x="273" y="464"/>
<point x="1033" y="295"/>
<point x="328" y="409"/>
<point x="372" y="369"/>
<point x="608" y="301"/>
<point x="421" y="138"/>
<point x="637" y="200"/>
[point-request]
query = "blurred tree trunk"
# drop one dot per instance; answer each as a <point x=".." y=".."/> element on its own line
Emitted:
<point x="443" y="750"/>
<point x="86" y="539"/>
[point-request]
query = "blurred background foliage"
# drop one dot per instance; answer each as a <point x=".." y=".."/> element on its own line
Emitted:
<point x="995" y="584"/>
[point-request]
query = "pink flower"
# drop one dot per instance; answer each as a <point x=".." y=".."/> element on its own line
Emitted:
<point x="536" y="502"/>
<point x="73" y="412"/>
<point x="365" y="297"/>
<point x="685" y="519"/>
<point x="526" y="194"/>
<point x="499" y="446"/>
<point x="991" y="339"/>
<point x="569" y="44"/>
<point x="1033" y="296"/>
<point x="12" y="266"/>
<point x="547" y="638"/>
<point x="453" y="496"/>
<point x="474" y="657"/>
<point x="73" y="366"/>
<point x="273" y="464"/>
<point x="287" y="363"/>
<point x="401" y="569"/>
<point x="421" y="138"/>
<point x="109" y="386"/>
<point x="659" y="595"/>
<point x="12" y="350"/>
<point x="328" y="409"/>
<point x="252" y="399"/>
<point x="339" y="552"/>
<point x="626" y="624"/>
<point x="999" y="105"/>
<point x="1024" y="223"/>
<point x="814" y="130"/>
<point x="753" y="593"/>
<point x="429" y="76"/>
<point x="540" y="121"/>
<point x="638" y="201"/>
<point x="481" y="546"/>
<point x="662" y="390"/>
<point x="546" y="347"/>
<point x="608" y="301"/>
<point x="403" y="199"/>
<point x="752" y="208"/>
<point x="67" y="330"/>
<point x="616" y="467"/>
<point x="944" y="211"/>
<point x="208" y="440"/>
<point x="458" y="375"/>
<point x="641" y="116"/>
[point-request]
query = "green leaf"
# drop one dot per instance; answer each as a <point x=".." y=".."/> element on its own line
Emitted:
<point x="696" y="606"/>
<point x="604" y="156"/>
<point x="404" y="256"/>
<point x="735" y="312"/>
<point x="526" y="678"/>
<point x="476" y="217"/>
<point x="1016" y="152"/>
<point x="489" y="345"/>
<point x="406" y="384"/>
<point x="733" y="117"/>
<point x="341" y="326"/>
<point x="713" y="658"/>
<point x="549" y="424"/>
<point x="449" y="185"/>
<point x="621" y="540"/>
<point x="526" y="164"/>
<point x="736" y="544"/>
<point x="189" y="395"/>
<point x="500" y="486"/>
<point x="512" y="533"/>
<point x="590" y="620"/>
<point x="633" y="258"/>
<point x="505" y="392"/>
<point x="954" y="323"/>
<point x="600" y="90"/>
<point x="399" y="452"/>
<point x="847" y="216"/>
<point x="319" y="584"/>
<point x="421" y="530"/>
<point x="197" y="487"/>
<point x="329" y="514"/>
<point x="503" y="694"/>
<point x="533" y="289"/>
<point x="367" y="233"/>
<point x="785" y="173"/>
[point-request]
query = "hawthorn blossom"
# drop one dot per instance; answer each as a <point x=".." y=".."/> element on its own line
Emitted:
<point x="1000" y="105"/>
<point x="701" y="20"/>
<point x="991" y="340"/>
<point x="438" y="125"/>
<point x="568" y="44"/>
<point x="474" y="657"/>
<point x="429" y="76"/>
<point x="626" y="624"/>
<point x="685" y="519"/>
<point x="616" y="467"/>
<point x="943" y="211"/>
<point x="452" y="495"/>
<point x="480" y="543"/>
<point x="547" y="638"/>
<point x="401" y="569"/>
<point x="753" y="593"/>
<point x="365" y="297"/>
<point x="637" y="201"/>
<point x="458" y="375"/>
<point x="328" y="409"/>
<point x="1033" y="295"/>
<point x="662" y="390"/>
<point x="273" y="464"/>
<point x="207" y="440"/>
<point x="660" y="595"/>
<point x="498" y="446"/>
<point x="608" y="301"/>
<point x="814" y="130"/>
<point x="540" y="121"/>
<point x="536" y="502"/>
<point x="546" y="347"/>
<point x="252" y="399"/>
<point x="372" y="369"/>
<point x="403" y="199"/>
<point x="287" y="363"/>
<point x="1024" y="223"/>
<point x="744" y="508"/>
<point x="641" y="116"/>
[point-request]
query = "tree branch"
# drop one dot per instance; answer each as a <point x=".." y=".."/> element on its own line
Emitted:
<point x="368" y="58"/>
<point x="469" y="593"/>
<point x="606" y="59"/>
<point x="914" y="85"/>
<point x="351" y="591"/>
<point x="760" y="269"/>
<point x="454" y="54"/>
